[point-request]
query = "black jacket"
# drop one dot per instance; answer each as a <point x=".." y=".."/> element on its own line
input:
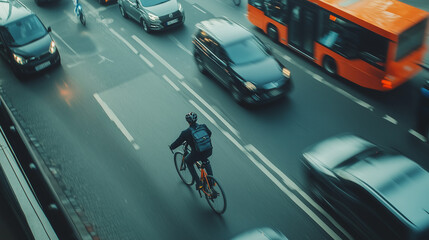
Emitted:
<point x="186" y="135"/>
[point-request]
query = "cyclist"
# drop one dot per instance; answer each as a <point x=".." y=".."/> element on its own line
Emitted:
<point x="76" y="4"/>
<point x="194" y="156"/>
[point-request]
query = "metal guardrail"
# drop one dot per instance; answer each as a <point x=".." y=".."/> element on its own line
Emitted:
<point x="43" y="210"/>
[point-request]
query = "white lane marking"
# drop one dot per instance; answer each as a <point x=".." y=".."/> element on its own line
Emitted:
<point x="160" y="59"/>
<point x="287" y="58"/>
<point x="146" y="60"/>
<point x="62" y="40"/>
<point x="171" y="83"/>
<point x="124" y="41"/>
<point x="291" y="185"/>
<point x="71" y="16"/>
<point x="116" y="120"/>
<point x="180" y="45"/>
<point x="205" y="114"/>
<point x="340" y="91"/>
<point x="418" y="135"/>
<point x="199" y="9"/>
<point x="103" y="59"/>
<point x="390" y="119"/>
<point x="229" y="126"/>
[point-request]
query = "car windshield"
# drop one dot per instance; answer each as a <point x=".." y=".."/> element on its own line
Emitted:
<point x="150" y="3"/>
<point x="247" y="51"/>
<point x="24" y="31"/>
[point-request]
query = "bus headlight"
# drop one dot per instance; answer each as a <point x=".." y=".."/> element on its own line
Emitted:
<point x="52" y="47"/>
<point x="20" y="60"/>
<point x="286" y="72"/>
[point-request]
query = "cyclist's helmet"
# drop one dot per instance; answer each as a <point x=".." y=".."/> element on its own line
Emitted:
<point x="191" y="117"/>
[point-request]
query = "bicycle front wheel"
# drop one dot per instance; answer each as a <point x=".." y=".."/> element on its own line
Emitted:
<point x="182" y="169"/>
<point x="214" y="195"/>
<point x="82" y="18"/>
<point x="237" y="2"/>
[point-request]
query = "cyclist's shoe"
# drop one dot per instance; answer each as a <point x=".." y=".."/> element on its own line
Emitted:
<point x="214" y="194"/>
<point x="198" y="186"/>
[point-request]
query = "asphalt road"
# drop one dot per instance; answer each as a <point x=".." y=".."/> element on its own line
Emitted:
<point x="106" y="116"/>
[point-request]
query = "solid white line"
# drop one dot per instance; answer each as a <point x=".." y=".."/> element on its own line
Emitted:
<point x="390" y="119"/>
<point x="418" y="135"/>
<point x="291" y="185"/>
<point x="229" y="126"/>
<point x="59" y="37"/>
<point x="180" y="45"/>
<point x="160" y="59"/>
<point x="136" y="147"/>
<point x="146" y="60"/>
<point x="199" y="9"/>
<point x="171" y="83"/>
<point x="205" y="114"/>
<point x="124" y="41"/>
<point x="113" y="117"/>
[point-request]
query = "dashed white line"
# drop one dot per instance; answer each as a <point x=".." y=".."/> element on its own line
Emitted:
<point x="116" y="120"/>
<point x="124" y="41"/>
<point x="390" y="119"/>
<point x="146" y="60"/>
<point x="180" y="45"/>
<point x="160" y="59"/>
<point x="417" y="135"/>
<point x="229" y="126"/>
<point x="171" y="83"/>
<point x="71" y="16"/>
<point x="199" y="9"/>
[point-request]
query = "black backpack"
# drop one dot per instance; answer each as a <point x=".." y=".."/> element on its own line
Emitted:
<point x="201" y="138"/>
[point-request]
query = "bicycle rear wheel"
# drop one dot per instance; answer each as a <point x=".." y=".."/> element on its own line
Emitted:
<point x="215" y="195"/>
<point x="182" y="169"/>
<point x="237" y="2"/>
<point x="82" y="18"/>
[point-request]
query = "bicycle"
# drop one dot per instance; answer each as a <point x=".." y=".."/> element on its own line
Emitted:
<point x="237" y="2"/>
<point x="211" y="189"/>
<point x="79" y="12"/>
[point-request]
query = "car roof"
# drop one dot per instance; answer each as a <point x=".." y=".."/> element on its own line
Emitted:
<point x="401" y="182"/>
<point x="223" y="30"/>
<point x="11" y="11"/>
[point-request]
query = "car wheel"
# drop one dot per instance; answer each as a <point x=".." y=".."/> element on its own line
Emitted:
<point x="236" y="94"/>
<point x="330" y="65"/>
<point x="272" y="33"/>
<point x="123" y="13"/>
<point x="199" y="62"/>
<point x="144" y="25"/>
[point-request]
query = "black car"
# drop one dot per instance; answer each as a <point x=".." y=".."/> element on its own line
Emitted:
<point x="25" y="43"/>
<point x="240" y="61"/>
<point x="153" y="14"/>
<point x="380" y="193"/>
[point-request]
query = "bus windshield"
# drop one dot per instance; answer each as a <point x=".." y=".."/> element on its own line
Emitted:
<point x="411" y="40"/>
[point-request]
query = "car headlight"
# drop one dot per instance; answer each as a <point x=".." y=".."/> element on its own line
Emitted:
<point x="180" y="7"/>
<point x="153" y="17"/>
<point x="52" y="47"/>
<point x="286" y="72"/>
<point x="20" y="60"/>
<point x="250" y="86"/>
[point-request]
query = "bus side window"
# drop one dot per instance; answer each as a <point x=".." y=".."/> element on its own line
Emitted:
<point x="277" y="10"/>
<point x="257" y="4"/>
<point x="339" y="35"/>
<point x="373" y="48"/>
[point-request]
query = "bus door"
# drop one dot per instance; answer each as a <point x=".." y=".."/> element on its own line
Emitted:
<point x="302" y="28"/>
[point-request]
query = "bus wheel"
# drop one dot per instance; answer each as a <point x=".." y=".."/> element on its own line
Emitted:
<point x="272" y="33"/>
<point x="330" y="65"/>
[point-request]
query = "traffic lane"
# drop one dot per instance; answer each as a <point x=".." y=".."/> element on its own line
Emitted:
<point x="252" y="199"/>
<point x="70" y="175"/>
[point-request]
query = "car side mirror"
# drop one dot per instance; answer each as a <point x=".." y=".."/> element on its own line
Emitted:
<point x="49" y="29"/>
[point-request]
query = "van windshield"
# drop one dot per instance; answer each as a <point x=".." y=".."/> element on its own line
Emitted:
<point x="24" y="31"/>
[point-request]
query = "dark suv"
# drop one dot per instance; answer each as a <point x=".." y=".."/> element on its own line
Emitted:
<point x="25" y="42"/>
<point x="153" y="14"/>
<point x="240" y="61"/>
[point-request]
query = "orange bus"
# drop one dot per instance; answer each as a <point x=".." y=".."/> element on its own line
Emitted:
<point x="373" y="43"/>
